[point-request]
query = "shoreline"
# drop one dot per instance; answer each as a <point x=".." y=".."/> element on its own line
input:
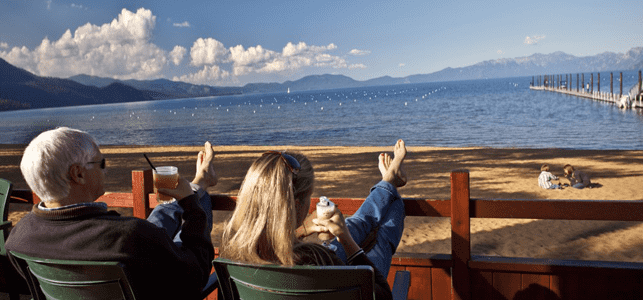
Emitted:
<point x="495" y="173"/>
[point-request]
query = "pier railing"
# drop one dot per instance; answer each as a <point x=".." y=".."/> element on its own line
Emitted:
<point x="460" y="275"/>
<point x="586" y="89"/>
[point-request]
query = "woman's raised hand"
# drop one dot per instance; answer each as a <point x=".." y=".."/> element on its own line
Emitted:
<point x="181" y="191"/>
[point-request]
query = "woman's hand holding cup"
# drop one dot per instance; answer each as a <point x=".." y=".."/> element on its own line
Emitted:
<point x="182" y="190"/>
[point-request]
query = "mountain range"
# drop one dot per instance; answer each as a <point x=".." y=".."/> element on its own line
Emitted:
<point x="20" y="89"/>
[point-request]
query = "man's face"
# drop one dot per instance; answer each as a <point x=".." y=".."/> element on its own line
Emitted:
<point x="96" y="177"/>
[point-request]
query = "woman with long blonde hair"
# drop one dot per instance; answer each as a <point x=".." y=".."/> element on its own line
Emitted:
<point x="270" y="218"/>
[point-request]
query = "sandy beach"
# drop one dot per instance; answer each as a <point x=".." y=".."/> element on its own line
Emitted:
<point x="495" y="173"/>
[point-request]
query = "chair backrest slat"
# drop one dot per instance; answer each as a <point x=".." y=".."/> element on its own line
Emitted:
<point x="248" y="281"/>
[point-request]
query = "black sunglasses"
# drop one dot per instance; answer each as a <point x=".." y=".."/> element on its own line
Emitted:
<point x="292" y="163"/>
<point x="101" y="162"/>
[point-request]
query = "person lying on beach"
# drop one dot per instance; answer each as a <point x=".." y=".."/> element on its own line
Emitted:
<point x="577" y="179"/>
<point x="270" y="218"/>
<point x="66" y="169"/>
<point x="545" y="178"/>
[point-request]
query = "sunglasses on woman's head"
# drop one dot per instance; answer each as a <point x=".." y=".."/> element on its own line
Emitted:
<point x="292" y="163"/>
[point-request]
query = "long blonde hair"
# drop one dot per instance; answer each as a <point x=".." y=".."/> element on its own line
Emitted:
<point x="262" y="226"/>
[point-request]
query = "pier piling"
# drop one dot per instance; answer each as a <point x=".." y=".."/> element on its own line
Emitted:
<point x="582" y="81"/>
<point x="621" y="82"/>
<point x="560" y="84"/>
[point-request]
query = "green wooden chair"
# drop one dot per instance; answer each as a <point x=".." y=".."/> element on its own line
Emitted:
<point x="5" y="193"/>
<point x="10" y="281"/>
<point x="248" y="281"/>
<point x="67" y="279"/>
<point x="70" y="280"/>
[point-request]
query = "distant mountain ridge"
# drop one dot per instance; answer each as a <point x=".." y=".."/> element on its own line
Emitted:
<point x="166" y="88"/>
<point x="20" y="89"/>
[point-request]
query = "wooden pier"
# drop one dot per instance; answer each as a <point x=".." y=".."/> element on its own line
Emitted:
<point x="564" y="84"/>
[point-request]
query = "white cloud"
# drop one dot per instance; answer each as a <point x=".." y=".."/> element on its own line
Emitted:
<point x="293" y="57"/>
<point x="205" y="76"/>
<point x="4" y="45"/>
<point x="20" y="57"/>
<point x="401" y="65"/>
<point x="177" y="54"/>
<point x="253" y="59"/>
<point x="184" y="24"/>
<point x="499" y="52"/>
<point x="211" y="54"/>
<point x="357" y="52"/>
<point x="120" y="49"/>
<point x="532" y="40"/>
<point x="48" y="4"/>
<point x="207" y="51"/>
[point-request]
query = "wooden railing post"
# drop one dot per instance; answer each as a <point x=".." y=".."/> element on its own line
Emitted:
<point x="640" y="86"/>
<point x="582" y="82"/>
<point x="621" y="82"/>
<point x="460" y="235"/>
<point x="34" y="198"/>
<point x="142" y="186"/>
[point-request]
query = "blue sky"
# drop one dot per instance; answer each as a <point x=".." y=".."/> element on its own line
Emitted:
<point x="237" y="42"/>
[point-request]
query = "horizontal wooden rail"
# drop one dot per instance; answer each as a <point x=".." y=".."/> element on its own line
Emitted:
<point x="23" y="196"/>
<point x="552" y="266"/>
<point x="601" y="210"/>
<point x="558" y="209"/>
<point x="423" y="259"/>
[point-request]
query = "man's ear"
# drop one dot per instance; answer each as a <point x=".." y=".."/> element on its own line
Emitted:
<point x="77" y="174"/>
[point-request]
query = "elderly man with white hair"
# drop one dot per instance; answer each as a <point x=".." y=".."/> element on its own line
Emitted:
<point x="168" y="256"/>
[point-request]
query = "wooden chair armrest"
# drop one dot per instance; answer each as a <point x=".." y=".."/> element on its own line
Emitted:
<point x="401" y="285"/>
<point x="213" y="283"/>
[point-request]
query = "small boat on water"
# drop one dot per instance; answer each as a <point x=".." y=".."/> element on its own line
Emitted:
<point x="288" y="90"/>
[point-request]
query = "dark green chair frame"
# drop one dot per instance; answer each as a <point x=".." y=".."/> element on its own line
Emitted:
<point x="68" y="279"/>
<point x="10" y="281"/>
<point x="249" y="281"/>
<point x="5" y="192"/>
<point x="72" y="279"/>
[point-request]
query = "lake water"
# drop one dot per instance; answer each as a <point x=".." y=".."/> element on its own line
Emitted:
<point x="490" y="113"/>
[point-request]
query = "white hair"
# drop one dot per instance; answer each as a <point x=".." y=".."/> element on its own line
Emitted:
<point x="46" y="161"/>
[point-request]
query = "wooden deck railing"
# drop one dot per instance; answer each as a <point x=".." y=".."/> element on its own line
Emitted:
<point x="461" y="275"/>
